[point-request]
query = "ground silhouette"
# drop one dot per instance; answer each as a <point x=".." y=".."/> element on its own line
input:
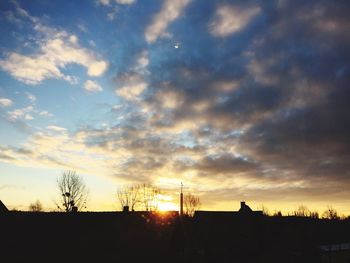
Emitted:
<point x="167" y="237"/>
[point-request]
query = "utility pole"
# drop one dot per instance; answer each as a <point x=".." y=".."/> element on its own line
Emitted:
<point x="181" y="201"/>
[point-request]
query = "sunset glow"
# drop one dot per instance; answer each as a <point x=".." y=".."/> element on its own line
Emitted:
<point x="235" y="100"/>
<point x="167" y="206"/>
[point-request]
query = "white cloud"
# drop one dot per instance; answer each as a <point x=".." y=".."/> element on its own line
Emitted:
<point x="96" y="68"/>
<point x="56" y="128"/>
<point x="229" y="20"/>
<point x="142" y="60"/>
<point x="45" y="114"/>
<point x="103" y="2"/>
<point x="54" y="54"/>
<point x="92" y="86"/>
<point x="31" y="97"/>
<point x="125" y="2"/>
<point x="28" y="117"/>
<point x="23" y="114"/>
<point x="171" y="10"/>
<point x="56" y="50"/>
<point x="131" y="86"/>
<point x="4" y="102"/>
<point x="132" y="91"/>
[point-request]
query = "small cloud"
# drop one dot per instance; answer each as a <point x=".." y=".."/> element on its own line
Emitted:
<point x="73" y="39"/>
<point x="125" y="2"/>
<point x="117" y="107"/>
<point x="142" y="60"/>
<point x="10" y="16"/>
<point x="28" y="117"/>
<point x="170" y="11"/>
<point x="4" y="102"/>
<point x="97" y="68"/>
<point x="92" y="86"/>
<point x="103" y="2"/>
<point x="229" y="20"/>
<point x="45" y="114"/>
<point x="82" y="28"/>
<point x="23" y="113"/>
<point x="132" y="92"/>
<point x="56" y="128"/>
<point x="113" y="13"/>
<point x="31" y="97"/>
<point x="92" y="43"/>
<point x="131" y="86"/>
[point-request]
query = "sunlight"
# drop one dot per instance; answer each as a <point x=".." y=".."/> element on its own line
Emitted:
<point x="167" y="206"/>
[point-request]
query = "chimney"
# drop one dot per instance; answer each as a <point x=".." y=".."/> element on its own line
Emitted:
<point x="126" y="209"/>
<point x="243" y="204"/>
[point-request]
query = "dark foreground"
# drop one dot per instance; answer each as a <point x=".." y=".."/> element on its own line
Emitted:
<point x="145" y="237"/>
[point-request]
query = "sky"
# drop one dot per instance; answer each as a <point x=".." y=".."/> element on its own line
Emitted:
<point x="238" y="100"/>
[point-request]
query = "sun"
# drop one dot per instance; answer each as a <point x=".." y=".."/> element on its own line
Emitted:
<point x="167" y="206"/>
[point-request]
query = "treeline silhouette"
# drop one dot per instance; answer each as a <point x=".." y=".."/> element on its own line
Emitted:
<point x="156" y="236"/>
<point x="167" y="237"/>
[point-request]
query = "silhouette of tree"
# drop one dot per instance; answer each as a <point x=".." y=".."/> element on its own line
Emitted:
<point x="302" y="211"/>
<point x="314" y="214"/>
<point x="36" y="207"/>
<point x="145" y="195"/>
<point x="265" y="210"/>
<point x="129" y="196"/>
<point x="72" y="190"/>
<point x="330" y="213"/>
<point x="191" y="204"/>
<point x="149" y="197"/>
<point x="277" y="213"/>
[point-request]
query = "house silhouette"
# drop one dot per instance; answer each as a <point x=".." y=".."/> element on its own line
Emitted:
<point x="244" y="211"/>
<point x="3" y="208"/>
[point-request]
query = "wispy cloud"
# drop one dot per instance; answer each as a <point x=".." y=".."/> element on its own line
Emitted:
<point x="55" y="53"/>
<point x="229" y="19"/>
<point x="125" y="2"/>
<point x="121" y="2"/>
<point x="131" y="86"/>
<point x="21" y="114"/>
<point x="31" y="97"/>
<point x="56" y="128"/>
<point x="57" y="49"/>
<point x="92" y="86"/>
<point x="170" y="11"/>
<point x="45" y="113"/>
<point x="4" y="102"/>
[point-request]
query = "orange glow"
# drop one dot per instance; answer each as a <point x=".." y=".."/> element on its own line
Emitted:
<point x="167" y="206"/>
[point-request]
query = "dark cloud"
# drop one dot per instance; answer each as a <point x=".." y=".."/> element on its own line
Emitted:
<point x="279" y="87"/>
<point x="260" y="111"/>
<point x="217" y="165"/>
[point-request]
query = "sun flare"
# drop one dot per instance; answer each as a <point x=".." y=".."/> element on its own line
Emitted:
<point x="167" y="206"/>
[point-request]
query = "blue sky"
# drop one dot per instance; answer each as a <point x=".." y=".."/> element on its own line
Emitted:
<point x="239" y="100"/>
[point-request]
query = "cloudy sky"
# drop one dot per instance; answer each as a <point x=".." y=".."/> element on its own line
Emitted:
<point x="239" y="100"/>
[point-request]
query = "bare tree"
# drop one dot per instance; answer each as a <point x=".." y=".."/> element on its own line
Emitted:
<point x="277" y="213"/>
<point x="265" y="210"/>
<point x="72" y="190"/>
<point x="314" y="215"/>
<point x="302" y="211"/>
<point x="129" y="197"/>
<point x="149" y="197"/>
<point x="191" y="204"/>
<point x="144" y="195"/>
<point x="330" y="213"/>
<point x="36" y="206"/>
